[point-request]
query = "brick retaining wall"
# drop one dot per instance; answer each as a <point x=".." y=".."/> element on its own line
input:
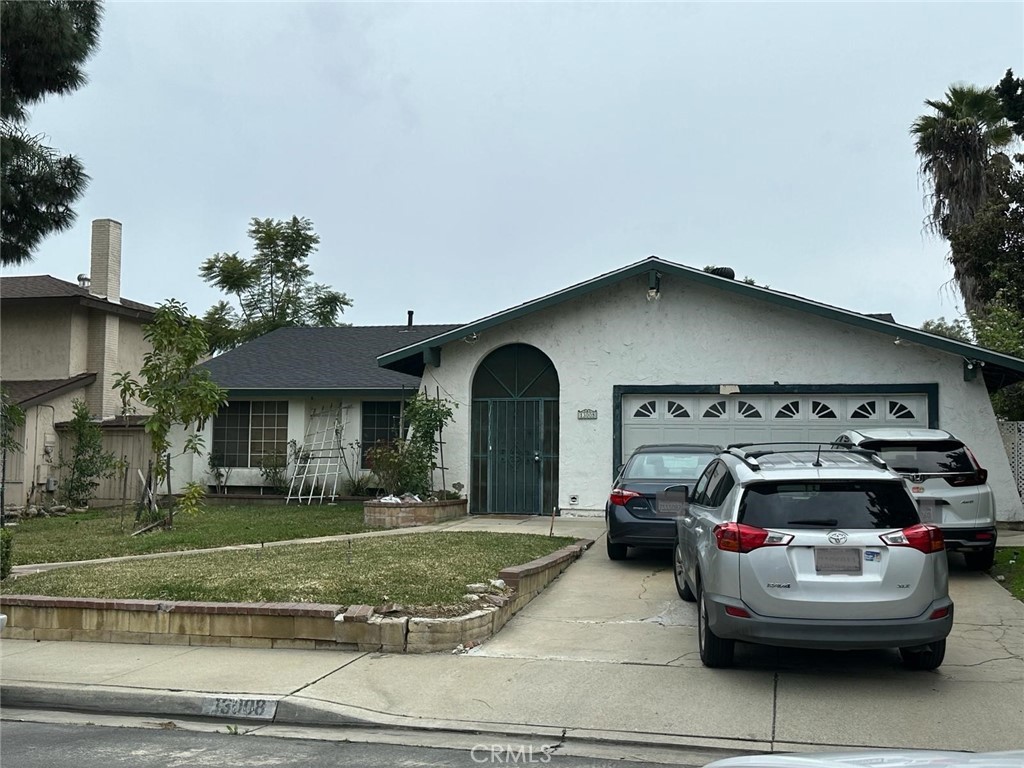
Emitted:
<point x="277" y="625"/>
<point x="379" y="514"/>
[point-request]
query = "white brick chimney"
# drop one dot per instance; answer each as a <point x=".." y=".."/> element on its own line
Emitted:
<point x="105" y="268"/>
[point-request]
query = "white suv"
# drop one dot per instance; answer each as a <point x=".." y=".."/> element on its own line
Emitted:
<point x="811" y="546"/>
<point x="950" y="486"/>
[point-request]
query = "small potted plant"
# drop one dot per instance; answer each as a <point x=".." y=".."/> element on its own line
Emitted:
<point x="405" y="468"/>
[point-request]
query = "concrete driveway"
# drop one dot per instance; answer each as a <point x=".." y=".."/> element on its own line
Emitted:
<point x="608" y="615"/>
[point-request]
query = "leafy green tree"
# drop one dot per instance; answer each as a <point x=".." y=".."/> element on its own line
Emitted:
<point x="87" y="462"/>
<point x="958" y="145"/>
<point x="959" y="329"/>
<point x="1011" y="95"/>
<point x="1001" y="327"/>
<point x="171" y="384"/>
<point x="45" y="45"/>
<point x="273" y="289"/>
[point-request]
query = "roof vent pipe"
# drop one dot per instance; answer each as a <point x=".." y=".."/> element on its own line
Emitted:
<point x="409" y="323"/>
<point x="726" y="272"/>
<point x="83" y="281"/>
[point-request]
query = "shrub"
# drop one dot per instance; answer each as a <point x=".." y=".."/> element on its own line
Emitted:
<point x="6" y="552"/>
<point x="88" y="461"/>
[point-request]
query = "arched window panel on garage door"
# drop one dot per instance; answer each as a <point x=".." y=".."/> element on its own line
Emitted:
<point x="905" y="410"/>
<point x="787" y="408"/>
<point x="864" y="408"/>
<point x="713" y="408"/>
<point x="750" y="409"/>
<point x="677" y="408"/>
<point x="823" y="408"/>
<point x="646" y="410"/>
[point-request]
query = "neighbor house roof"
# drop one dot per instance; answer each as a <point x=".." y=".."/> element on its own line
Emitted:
<point x="32" y="392"/>
<point x="341" y="360"/>
<point x="34" y="287"/>
<point x="999" y="369"/>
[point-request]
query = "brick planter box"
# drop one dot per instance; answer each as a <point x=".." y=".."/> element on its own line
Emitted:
<point x="277" y="625"/>
<point x="379" y="514"/>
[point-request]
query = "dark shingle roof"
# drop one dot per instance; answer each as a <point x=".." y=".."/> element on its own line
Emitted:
<point x="30" y="392"/>
<point x="319" y="359"/>
<point x="49" y="287"/>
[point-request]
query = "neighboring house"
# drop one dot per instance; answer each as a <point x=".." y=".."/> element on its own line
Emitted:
<point x="278" y="383"/>
<point x="554" y="394"/>
<point x="61" y="341"/>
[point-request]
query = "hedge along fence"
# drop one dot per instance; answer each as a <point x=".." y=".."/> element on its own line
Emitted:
<point x="279" y="625"/>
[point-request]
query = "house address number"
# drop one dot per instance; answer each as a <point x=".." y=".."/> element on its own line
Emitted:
<point x="587" y="413"/>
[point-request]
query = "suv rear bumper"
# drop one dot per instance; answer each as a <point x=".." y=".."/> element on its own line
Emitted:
<point x="831" y="634"/>
<point x="969" y="539"/>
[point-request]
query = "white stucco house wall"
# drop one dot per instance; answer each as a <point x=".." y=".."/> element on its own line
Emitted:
<point x="659" y="352"/>
<point x="553" y="394"/>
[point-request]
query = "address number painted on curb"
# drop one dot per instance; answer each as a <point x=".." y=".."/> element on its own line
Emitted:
<point x="251" y="709"/>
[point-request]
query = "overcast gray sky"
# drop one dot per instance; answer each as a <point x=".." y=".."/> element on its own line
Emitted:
<point x="460" y="158"/>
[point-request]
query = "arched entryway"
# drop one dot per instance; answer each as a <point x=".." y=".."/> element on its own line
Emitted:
<point x="514" y="433"/>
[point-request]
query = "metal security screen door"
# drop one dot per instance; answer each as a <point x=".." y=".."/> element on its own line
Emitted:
<point x="514" y="433"/>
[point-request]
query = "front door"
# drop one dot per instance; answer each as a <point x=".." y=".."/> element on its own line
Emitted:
<point x="515" y="433"/>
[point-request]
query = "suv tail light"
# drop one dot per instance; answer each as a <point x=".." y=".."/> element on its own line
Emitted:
<point x="621" y="497"/>
<point x="737" y="537"/>
<point x="922" y="537"/>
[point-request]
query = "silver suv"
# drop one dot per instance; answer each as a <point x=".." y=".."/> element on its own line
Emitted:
<point x="811" y="546"/>
<point x="950" y="487"/>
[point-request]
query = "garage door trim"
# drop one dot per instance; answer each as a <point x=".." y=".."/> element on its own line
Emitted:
<point x="930" y="391"/>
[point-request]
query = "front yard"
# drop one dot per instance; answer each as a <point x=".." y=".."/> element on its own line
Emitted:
<point x="426" y="569"/>
<point x="99" y="533"/>
<point x="1010" y="566"/>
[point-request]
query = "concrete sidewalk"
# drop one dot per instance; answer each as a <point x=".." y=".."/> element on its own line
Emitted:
<point x="607" y="654"/>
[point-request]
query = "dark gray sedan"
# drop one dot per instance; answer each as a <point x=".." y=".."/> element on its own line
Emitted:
<point x="642" y="507"/>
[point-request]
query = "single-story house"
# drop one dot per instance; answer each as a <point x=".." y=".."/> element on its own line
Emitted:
<point x="553" y="394"/>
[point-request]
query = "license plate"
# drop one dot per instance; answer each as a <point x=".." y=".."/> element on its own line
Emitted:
<point x="668" y="508"/>
<point x="928" y="510"/>
<point x="838" y="560"/>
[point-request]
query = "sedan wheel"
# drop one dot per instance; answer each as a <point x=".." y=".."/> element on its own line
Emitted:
<point x="681" y="586"/>
<point x="714" y="651"/>
<point x="615" y="551"/>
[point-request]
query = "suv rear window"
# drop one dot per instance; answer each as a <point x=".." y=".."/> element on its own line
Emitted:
<point x="882" y="504"/>
<point x="923" y="457"/>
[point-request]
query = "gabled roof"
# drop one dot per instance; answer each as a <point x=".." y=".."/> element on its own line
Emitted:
<point x="999" y="369"/>
<point x="48" y="287"/>
<point x="303" y="361"/>
<point x="32" y="392"/>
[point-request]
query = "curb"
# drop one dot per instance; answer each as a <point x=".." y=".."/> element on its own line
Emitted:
<point x="302" y="712"/>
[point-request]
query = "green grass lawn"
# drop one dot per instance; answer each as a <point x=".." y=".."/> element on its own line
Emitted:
<point x="98" y="533"/>
<point x="426" y="569"/>
<point x="1010" y="566"/>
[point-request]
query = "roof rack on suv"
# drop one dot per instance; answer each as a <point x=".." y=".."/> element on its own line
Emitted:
<point x="739" y="450"/>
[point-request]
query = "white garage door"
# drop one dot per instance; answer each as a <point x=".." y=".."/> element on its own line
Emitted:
<point x="724" y="419"/>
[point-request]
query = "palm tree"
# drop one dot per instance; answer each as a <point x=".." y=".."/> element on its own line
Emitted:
<point x="958" y="145"/>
